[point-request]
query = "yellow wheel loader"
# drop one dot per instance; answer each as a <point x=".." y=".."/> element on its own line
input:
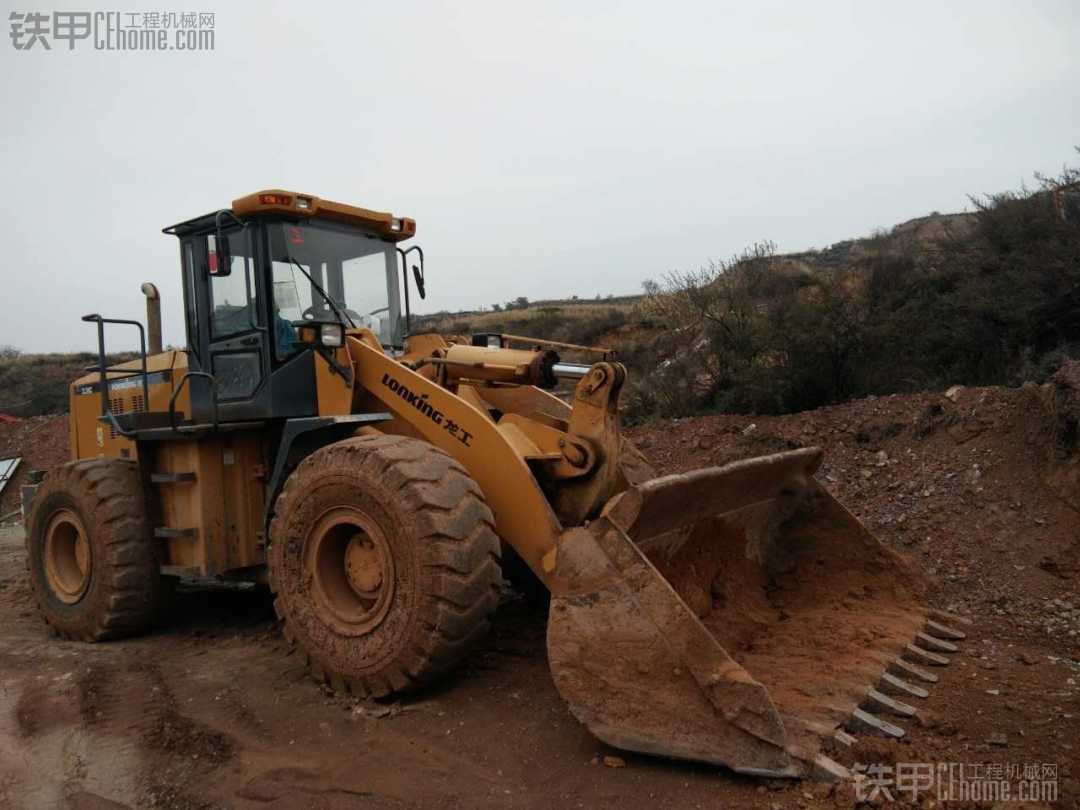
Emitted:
<point x="377" y="479"/>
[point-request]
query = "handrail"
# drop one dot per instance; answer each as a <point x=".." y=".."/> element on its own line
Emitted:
<point x="106" y="408"/>
<point x="180" y="387"/>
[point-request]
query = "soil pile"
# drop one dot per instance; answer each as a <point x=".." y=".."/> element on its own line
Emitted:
<point x="41" y="441"/>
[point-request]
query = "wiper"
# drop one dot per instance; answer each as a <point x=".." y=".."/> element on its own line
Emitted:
<point x="342" y="317"/>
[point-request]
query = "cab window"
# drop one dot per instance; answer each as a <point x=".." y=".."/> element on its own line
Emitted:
<point x="292" y="300"/>
<point x="233" y="304"/>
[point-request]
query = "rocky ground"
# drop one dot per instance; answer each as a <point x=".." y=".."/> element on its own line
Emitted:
<point x="208" y="712"/>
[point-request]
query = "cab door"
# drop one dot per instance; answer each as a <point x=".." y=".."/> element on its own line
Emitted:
<point x="235" y="331"/>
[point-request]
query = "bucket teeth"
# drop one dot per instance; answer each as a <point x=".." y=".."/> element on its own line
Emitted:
<point x="950" y="618"/>
<point x="898" y="666"/>
<point x="917" y="653"/>
<point x="936" y="644"/>
<point x="829" y="769"/>
<point x="880" y="700"/>
<point x="873" y="723"/>
<point x="890" y="684"/>
<point x="823" y="730"/>
<point x="843" y="738"/>
<point x="938" y="630"/>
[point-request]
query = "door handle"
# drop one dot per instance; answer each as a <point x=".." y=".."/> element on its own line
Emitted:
<point x="249" y="341"/>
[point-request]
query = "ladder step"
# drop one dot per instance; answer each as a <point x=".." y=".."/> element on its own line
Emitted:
<point x="172" y="478"/>
<point x="166" y="533"/>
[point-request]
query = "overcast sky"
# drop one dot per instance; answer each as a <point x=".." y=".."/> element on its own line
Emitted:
<point x="545" y="149"/>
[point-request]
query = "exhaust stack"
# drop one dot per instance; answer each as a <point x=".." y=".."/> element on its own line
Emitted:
<point x="153" y="318"/>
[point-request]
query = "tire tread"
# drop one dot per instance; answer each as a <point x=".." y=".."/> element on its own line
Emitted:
<point x="462" y="572"/>
<point x="112" y="505"/>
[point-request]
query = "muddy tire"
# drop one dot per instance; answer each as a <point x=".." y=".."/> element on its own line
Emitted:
<point x="384" y="563"/>
<point x="91" y="555"/>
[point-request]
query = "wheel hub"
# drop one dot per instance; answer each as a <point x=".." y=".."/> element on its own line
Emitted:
<point x="351" y="570"/>
<point x="67" y="560"/>
<point x="363" y="567"/>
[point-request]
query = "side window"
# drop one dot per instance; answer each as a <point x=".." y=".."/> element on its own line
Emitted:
<point x="233" y="308"/>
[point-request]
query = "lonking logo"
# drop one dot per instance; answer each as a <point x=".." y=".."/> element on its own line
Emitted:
<point x="421" y="403"/>
<point x="418" y="401"/>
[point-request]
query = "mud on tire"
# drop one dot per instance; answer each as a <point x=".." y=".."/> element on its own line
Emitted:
<point x="384" y="563"/>
<point x="91" y="556"/>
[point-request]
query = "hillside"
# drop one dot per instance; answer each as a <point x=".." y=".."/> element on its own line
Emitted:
<point x="36" y="384"/>
<point x="618" y="321"/>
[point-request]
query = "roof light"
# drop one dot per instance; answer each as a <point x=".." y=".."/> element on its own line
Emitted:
<point x="275" y="199"/>
<point x="303" y="203"/>
<point x="395" y="224"/>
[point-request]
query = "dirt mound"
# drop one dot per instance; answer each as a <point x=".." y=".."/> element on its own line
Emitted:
<point x="41" y="441"/>
<point x="979" y="485"/>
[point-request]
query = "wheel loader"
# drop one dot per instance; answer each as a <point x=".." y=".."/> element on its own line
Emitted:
<point x="380" y="479"/>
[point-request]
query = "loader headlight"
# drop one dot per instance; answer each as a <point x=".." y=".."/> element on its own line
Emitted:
<point x="332" y="335"/>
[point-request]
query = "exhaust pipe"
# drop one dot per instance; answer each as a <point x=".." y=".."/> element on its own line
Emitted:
<point x="153" y="318"/>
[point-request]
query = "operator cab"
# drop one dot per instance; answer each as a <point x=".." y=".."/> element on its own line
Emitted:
<point x="276" y="280"/>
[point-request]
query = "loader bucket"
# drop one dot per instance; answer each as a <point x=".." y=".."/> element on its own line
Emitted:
<point x="741" y="616"/>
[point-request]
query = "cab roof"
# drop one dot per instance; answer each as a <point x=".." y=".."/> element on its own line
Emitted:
<point x="292" y="205"/>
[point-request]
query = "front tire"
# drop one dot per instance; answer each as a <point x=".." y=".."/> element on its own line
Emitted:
<point x="92" y="560"/>
<point x="384" y="563"/>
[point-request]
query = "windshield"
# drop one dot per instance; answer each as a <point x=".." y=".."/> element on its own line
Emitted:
<point x="356" y="271"/>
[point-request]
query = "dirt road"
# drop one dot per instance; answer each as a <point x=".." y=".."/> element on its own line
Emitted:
<point x="209" y="712"/>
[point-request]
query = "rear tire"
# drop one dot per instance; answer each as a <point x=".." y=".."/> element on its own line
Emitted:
<point x="93" y="564"/>
<point x="384" y="563"/>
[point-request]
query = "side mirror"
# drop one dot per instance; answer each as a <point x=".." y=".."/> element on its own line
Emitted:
<point x="217" y="248"/>
<point x="418" y="276"/>
<point x="217" y="245"/>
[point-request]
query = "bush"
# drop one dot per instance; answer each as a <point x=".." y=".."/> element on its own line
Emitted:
<point x="994" y="302"/>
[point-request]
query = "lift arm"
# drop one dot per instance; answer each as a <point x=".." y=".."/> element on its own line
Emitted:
<point x="523" y="516"/>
